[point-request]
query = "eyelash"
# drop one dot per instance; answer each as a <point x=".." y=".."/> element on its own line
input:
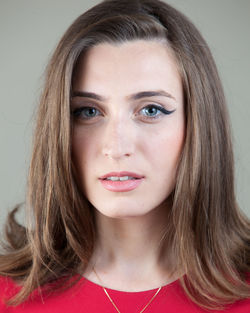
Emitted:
<point x="78" y="112"/>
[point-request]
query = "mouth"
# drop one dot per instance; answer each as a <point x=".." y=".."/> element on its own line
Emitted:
<point x="121" y="181"/>
<point x="123" y="176"/>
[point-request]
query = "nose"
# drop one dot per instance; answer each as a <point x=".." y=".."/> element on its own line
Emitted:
<point x="118" y="139"/>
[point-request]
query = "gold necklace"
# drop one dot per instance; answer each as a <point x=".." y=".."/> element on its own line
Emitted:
<point x="107" y="294"/>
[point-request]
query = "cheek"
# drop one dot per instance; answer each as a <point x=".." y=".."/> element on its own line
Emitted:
<point x="162" y="148"/>
<point x="81" y="148"/>
<point x="166" y="146"/>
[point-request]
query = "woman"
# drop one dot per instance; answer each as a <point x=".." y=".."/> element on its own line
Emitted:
<point x="131" y="186"/>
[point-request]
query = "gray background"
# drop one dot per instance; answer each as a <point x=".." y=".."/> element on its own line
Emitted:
<point x="29" y="31"/>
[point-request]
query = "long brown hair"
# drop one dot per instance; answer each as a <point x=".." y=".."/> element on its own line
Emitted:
<point x="209" y="234"/>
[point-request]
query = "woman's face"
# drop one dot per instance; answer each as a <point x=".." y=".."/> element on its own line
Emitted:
<point x="128" y="114"/>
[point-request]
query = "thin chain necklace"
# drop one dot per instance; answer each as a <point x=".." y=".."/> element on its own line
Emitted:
<point x="107" y="294"/>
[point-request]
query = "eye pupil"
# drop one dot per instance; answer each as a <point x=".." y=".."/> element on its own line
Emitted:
<point x="90" y="112"/>
<point x="151" y="111"/>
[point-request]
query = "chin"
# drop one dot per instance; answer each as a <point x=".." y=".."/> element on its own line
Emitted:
<point x="123" y="212"/>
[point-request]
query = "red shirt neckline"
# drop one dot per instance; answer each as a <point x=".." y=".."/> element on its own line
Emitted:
<point x="93" y="284"/>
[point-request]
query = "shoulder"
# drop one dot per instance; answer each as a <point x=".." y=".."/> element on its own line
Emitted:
<point x="41" y="300"/>
<point x="241" y="306"/>
<point x="8" y="287"/>
<point x="177" y="300"/>
<point x="81" y="295"/>
<point x="7" y="290"/>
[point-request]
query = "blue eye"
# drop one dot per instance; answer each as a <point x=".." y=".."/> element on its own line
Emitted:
<point x="152" y="111"/>
<point x="85" y="112"/>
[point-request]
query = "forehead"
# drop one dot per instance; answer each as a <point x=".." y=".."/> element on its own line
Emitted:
<point x="149" y="52"/>
<point x="130" y="65"/>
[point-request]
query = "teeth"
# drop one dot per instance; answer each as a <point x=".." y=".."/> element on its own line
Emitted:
<point x="115" y="178"/>
<point x="126" y="178"/>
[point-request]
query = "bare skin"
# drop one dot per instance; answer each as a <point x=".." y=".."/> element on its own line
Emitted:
<point x="131" y="255"/>
<point x="127" y="135"/>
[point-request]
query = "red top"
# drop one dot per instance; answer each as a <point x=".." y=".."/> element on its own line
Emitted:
<point x="89" y="297"/>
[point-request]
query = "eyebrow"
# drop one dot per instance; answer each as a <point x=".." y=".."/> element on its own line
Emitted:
<point x="136" y="96"/>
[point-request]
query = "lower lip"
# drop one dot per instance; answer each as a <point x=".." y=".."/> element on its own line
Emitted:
<point x="121" y="186"/>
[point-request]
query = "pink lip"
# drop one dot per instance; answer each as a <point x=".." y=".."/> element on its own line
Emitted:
<point x="120" y="174"/>
<point x="121" y="186"/>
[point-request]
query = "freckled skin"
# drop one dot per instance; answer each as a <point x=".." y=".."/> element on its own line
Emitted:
<point x="121" y="138"/>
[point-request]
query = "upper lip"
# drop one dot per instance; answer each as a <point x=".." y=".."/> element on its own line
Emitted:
<point x="120" y="174"/>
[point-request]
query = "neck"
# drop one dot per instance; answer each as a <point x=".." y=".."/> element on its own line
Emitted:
<point x="133" y="250"/>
